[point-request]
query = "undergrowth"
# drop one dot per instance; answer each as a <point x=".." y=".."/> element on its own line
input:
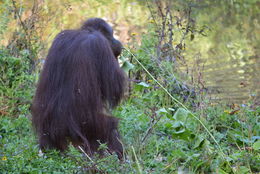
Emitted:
<point x="157" y="139"/>
<point x="162" y="129"/>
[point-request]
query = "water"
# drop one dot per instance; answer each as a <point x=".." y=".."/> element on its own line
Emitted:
<point x="230" y="51"/>
<point x="233" y="80"/>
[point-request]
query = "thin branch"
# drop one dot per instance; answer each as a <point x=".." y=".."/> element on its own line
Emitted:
<point x="19" y="16"/>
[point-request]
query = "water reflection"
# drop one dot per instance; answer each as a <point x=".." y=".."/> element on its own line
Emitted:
<point x="233" y="80"/>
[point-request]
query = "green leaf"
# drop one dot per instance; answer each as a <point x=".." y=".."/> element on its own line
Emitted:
<point x="177" y="124"/>
<point x="168" y="125"/>
<point x="162" y="111"/>
<point x="242" y="170"/>
<point x="198" y="142"/>
<point x="183" y="134"/>
<point x="171" y="109"/>
<point x="181" y="114"/>
<point x="140" y="86"/>
<point x="256" y="145"/>
<point x="143" y="84"/>
<point x="238" y="136"/>
<point x="186" y="118"/>
<point x="222" y="171"/>
<point x="180" y="131"/>
<point x="127" y="66"/>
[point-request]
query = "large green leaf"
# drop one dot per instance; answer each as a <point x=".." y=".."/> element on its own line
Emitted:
<point x="186" y="118"/>
<point x="256" y="145"/>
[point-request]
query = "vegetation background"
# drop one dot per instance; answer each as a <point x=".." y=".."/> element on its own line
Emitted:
<point x="193" y="101"/>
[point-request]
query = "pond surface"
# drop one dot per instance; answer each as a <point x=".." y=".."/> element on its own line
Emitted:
<point x="233" y="80"/>
<point x="229" y="51"/>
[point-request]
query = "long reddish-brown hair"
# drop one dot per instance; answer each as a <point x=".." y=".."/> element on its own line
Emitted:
<point x="80" y="82"/>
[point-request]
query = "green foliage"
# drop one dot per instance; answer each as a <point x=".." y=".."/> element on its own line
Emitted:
<point x="158" y="135"/>
<point x="178" y="142"/>
<point x="163" y="151"/>
<point x="5" y="15"/>
<point x="19" y="151"/>
<point x="15" y="83"/>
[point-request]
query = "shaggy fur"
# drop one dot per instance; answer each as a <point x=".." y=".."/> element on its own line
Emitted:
<point x="80" y="82"/>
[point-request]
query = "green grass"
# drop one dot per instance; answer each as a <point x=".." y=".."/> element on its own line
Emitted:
<point x="158" y="135"/>
<point x="156" y="140"/>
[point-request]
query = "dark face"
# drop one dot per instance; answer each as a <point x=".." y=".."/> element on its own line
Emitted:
<point x="100" y="25"/>
<point x="116" y="46"/>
